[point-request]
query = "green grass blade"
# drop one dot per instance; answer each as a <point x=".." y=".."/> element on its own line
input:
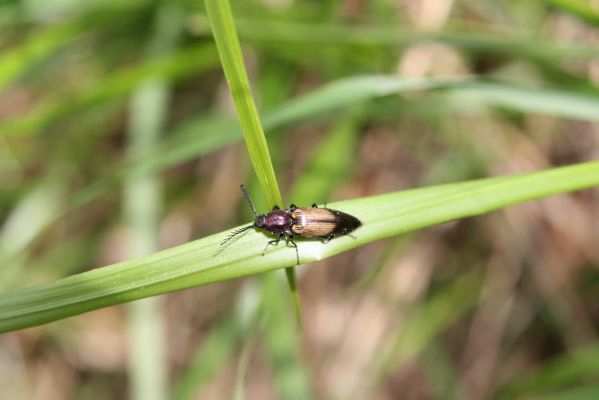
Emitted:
<point x="209" y="357"/>
<point x="35" y="48"/>
<point x="433" y="317"/>
<point x="481" y="41"/>
<point x="204" y="261"/>
<point x="581" y="9"/>
<point x="237" y="329"/>
<point x="282" y="343"/>
<point x="547" y="101"/>
<point x="46" y="42"/>
<point x="142" y="200"/>
<point x="346" y="92"/>
<point x="218" y="132"/>
<point x="570" y="370"/>
<point x="584" y="391"/>
<point x="421" y="328"/>
<point x="118" y="84"/>
<point x="227" y="43"/>
<point x="32" y="215"/>
<point x="330" y="165"/>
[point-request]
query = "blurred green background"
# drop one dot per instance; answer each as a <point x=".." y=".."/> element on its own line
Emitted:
<point x="118" y="137"/>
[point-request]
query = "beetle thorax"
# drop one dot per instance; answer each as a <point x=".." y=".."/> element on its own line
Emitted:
<point x="276" y="221"/>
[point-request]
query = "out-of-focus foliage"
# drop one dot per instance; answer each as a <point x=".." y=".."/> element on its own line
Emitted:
<point x="357" y="98"/>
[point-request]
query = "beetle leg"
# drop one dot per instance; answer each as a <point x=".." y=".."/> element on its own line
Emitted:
<point x="274" y="242"/>
<point x="292" y="207"/>
<point x="314" y="205"/>
<point x="289" y="239"/>
<point x="327" y="238"/>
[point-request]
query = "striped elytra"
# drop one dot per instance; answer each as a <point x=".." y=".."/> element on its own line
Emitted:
<point x="322" y="222"/>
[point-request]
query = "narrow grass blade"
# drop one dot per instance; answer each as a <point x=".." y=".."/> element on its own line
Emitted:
<point x="118" y="84"/>
<point x="143" y="207"/>
<point x="227" y="42"/>
<point x="570" y="370"/>
<point x="480" y="41"/>
<point x="579" y="8"/>
<point x="204" y="261"/>
<point x="282" y="342"/>
<point x="546" y="101"/>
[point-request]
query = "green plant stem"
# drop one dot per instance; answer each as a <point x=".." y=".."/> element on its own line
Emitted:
<point x="227" y="43"/>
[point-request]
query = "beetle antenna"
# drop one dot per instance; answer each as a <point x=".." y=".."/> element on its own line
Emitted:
<point x="249" y="199"/>
<point x="235" y="233"/>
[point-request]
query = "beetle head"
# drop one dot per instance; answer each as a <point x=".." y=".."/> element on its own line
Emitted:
<point x="260" y="221"/>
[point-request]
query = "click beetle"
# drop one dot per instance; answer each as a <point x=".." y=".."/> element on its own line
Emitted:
<point x="311" y="222"/>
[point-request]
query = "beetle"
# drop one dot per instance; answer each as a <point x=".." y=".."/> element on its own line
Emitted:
<point x="313" y="222"/>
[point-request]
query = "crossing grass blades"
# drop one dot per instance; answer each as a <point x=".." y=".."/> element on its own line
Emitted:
<point x="311" y="222"/>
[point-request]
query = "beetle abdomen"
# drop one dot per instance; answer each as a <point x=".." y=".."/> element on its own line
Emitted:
<point x="322" y="222"/>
